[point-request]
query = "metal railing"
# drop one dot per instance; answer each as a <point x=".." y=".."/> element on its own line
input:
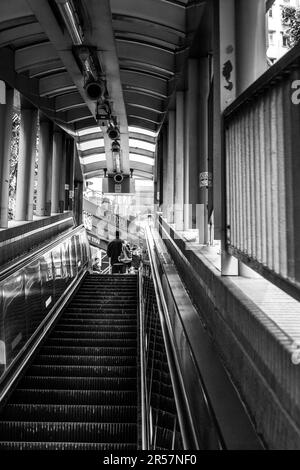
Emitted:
<point x="196" y="419"/>
<point x="262" y="142"/>
<point x="159" y="388"/>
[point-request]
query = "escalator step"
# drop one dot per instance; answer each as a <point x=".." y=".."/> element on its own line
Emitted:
<point x="112" y="328"/>
<point x="74" y="397"/>
<point x="78" y="383"/>
<point x="111" y="316"/>
<point x="73" y="432"/>
<point x="99" y="297"/>
<point x="70" y="413"/>
<point x="66" y="446"/>
<point x="74" y="360"/>
<point x="88" y="351"/>
<point x="97" y="343"/>
<point x="60" y="333"/>
<point x="82" y="371"/>
<point x="120" y="310"/>
<point x="93" y="322"/>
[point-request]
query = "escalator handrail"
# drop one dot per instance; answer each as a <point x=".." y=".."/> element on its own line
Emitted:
<point x="31" y="257"/>
<point x="182" y="405"/>
<point x="207" y="400"/>
<point x="145" y="427"/>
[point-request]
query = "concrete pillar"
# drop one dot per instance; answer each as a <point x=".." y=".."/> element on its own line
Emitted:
<point x="191" y="154"/>
<point x="179" y="162"/>
<point x="165" y="167"/>
<point x="6" y="115"/>
<point x="43" y="204"/>
<point x="156" y="171"/>
<point x="78" y="201"/>
<point x="250" y="26"/>
<point x="26" y="163"/>
<point x="170" y="168"/>
<point x="224" y="93"/>
<point x="70" y="170"/>
<point x="57" y="156"/>
<point x="202" y="215"/>
<point x="62" y="177"/>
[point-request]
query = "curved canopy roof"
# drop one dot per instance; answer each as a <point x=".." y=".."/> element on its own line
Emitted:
<point x="139" y="46"/>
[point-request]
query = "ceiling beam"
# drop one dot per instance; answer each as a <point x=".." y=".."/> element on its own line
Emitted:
<point x="100" y="34"/>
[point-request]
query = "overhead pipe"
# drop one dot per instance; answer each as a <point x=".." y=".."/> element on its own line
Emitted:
<point x="71" y="21"/>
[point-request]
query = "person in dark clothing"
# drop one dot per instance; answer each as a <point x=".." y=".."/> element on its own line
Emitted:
<point x="114" y="250"/>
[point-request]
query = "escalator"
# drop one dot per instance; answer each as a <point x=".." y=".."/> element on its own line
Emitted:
<point x="80" y="391"/>
<point x="109" y="362"/>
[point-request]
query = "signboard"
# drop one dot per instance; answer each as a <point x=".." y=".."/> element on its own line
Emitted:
<point x="118" y="188"/>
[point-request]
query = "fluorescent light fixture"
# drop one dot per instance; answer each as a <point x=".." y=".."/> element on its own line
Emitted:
<point x="90" y="144"/>
<point x="96" y="157"/>
<point x="140" y="144"/>
<point x="140" y="130"/>
<point x="89" y="130"/>
<point x="141" y="159"/>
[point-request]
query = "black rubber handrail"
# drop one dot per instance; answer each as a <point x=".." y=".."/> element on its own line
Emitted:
<point x="186" y="424"/>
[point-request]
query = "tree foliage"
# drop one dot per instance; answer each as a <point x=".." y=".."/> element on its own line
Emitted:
<point x="14" y="155"/>
<point x="291" y="19"/>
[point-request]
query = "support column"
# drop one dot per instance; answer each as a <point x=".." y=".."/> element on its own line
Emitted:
<point x="191" y="146"/>
<point x="179" y="162"/>
<point x="250" y="26"/>
<point x="171" y="168"/>
<point x="6" y="116"/>
<point x="70" y="169"/>
<point x="78" y="201"/>
<point x="26" y="163"/>
<point x="62" y="178"/>
<point x="43" y="204"/>
<point x="57" y="157"/>
<point x="202" y="215"/>
<point x="224" y="94"/>
<point x="165" y="168"/>
<point x="156" y="171"/>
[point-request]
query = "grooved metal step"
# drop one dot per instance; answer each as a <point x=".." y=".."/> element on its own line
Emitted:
<point x="73" y="359"/>
<point x="73" y="432"/>
<point x="66" y="446"/>
<point x="85" y="342"/>
<point x="76" y="413"/>
<point x="78" y="383"/>
<point x="89" y="351"/>
<point x="62" y="333"/>
<point x="74" y="397"/>
<point x="82" y="371"/>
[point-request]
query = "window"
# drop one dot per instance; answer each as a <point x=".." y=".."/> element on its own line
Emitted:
<point x="285" y="40"/>
<point x="271" y="13"/>
<point x="271" y="38"/>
